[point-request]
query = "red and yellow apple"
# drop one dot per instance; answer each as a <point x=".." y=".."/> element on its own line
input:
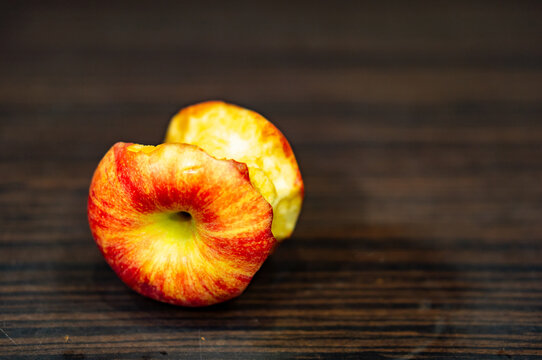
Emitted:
<point x="190" y="223"/>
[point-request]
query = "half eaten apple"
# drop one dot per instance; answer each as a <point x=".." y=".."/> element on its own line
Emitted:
<point x="190" y="223"/>
<point x="228" y="131"/>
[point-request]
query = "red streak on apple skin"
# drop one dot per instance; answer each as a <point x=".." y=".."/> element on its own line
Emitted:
<point x="104" y="219"/>
<point x="247" y="249"/>
<point x="140" y="201"/>
<point x="231" y="219"/>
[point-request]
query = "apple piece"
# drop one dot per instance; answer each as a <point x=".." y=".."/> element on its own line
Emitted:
<point x="178" y="225"/>
<point x="227" y="131"/>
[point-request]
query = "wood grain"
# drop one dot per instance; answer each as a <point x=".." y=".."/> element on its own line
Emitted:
<point x="418" y="130"/>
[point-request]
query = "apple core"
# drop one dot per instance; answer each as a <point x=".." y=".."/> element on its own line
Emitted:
<point x="227" y="131"/>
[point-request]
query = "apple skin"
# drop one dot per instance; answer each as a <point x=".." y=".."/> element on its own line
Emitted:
<point x="136" y="202"/>
<point x="227" y="131"/>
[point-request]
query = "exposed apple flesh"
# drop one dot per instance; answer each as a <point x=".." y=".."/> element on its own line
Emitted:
<point x="227" y="131"/>
<point x="177" y="224"/>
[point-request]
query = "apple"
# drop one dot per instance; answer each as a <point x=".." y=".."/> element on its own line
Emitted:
<point x="189" y="222"/>
<point x="179" y="225"/>
<point x="226" y="131"/>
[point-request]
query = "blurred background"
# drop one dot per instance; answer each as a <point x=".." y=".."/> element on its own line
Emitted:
<point x="418" y="130"/>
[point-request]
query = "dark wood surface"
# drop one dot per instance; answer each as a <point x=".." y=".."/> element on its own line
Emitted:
<point x="418" y="128"/>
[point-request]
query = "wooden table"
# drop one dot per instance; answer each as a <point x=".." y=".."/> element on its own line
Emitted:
<point x="418" y="128"/>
